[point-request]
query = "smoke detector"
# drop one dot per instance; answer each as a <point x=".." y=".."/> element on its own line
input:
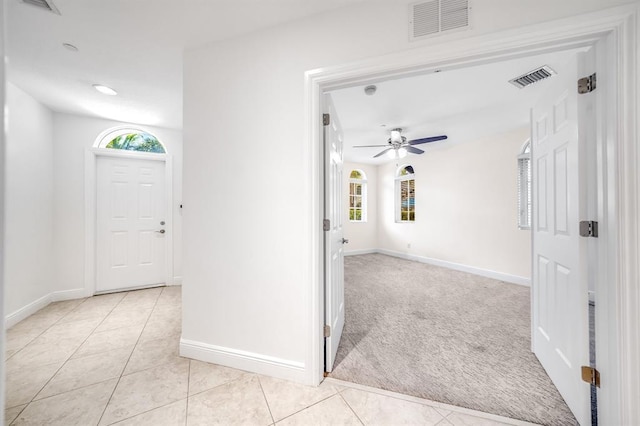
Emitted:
<point x="370" y="90"/>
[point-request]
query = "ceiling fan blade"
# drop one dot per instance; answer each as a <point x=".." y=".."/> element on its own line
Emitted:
<point x="426" y="140"/>
<point x="413" y="150"/>
<point x="370" y="146"/>
<point x="383" y="152"/>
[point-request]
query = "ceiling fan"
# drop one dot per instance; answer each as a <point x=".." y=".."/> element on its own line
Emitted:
<point x="398" y="146"/>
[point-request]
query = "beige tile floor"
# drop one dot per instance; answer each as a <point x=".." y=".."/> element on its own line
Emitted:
<point x="113" y="359"/>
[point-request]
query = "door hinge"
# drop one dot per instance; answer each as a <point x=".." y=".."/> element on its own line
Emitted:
<point x="326" y="225"/>
<point x="591" y="376"/>
<point x="589" y="228"/>
<point x="587" y="84"/>
<point x="326" y="119"/>
<point x="327" y="331"/>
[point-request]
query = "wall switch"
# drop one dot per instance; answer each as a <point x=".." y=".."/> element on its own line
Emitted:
<point x="408" y="245"/>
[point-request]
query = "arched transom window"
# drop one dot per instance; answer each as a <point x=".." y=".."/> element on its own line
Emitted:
<point x="357" y="196"/>
<point x="405" y="194"/>
<point x="129" y="139"/>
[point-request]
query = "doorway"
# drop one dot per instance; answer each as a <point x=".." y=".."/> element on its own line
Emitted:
<point x="458" y="210"/>
<point x="379" y="79"/>
<point x="128" y="212"/>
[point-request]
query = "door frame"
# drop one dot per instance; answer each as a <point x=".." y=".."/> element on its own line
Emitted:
<point x="91" y="210"/>
<point x="615" y="29"/>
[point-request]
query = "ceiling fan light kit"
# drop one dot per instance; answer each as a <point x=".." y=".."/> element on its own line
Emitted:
<point x="398" y="147"/>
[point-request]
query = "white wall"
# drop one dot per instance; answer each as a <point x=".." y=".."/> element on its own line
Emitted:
<point x="28" y="243"/>
<point x="247" y="194"/>
<point x="362" y="236"/>
<point x="72" y="136"/>
<point x="2" y="202"/>
<point x="466" y="206"/>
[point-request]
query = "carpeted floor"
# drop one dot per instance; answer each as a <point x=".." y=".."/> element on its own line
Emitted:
<point x="444" y="335"/>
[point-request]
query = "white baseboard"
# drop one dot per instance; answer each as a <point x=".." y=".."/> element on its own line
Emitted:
<point x="76" y="293"/>
<point x="177" y="280"/>
<point x="30" y="309"/>
<point x="33" y="307"/>
<point x="358" y="252"/>
<point x="513" y="279"/>
<point x="242" y="360"/>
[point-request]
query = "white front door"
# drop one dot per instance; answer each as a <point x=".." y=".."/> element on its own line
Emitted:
<point x="333" y="241"/>
<point x="560" y="290"/>
<point x="130" y="223"/>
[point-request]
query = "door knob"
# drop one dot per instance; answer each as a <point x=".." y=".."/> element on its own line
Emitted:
<point x="162" y="231"/>
<point x="345" y="241"/>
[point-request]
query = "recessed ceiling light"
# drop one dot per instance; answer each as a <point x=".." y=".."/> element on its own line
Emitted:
<point x="105" y="90"/>
<point x="70" y="47"/>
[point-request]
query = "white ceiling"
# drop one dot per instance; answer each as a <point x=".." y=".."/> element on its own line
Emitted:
<point x="465" y="104"/>
<point x="133" y="46"/>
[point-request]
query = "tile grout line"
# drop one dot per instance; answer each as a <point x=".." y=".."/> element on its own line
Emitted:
<point x="130" y="355"/>
<point x="308" y="406"/>
<point x="264" y="395"/>
<point x="14" y="420"/>
<point x="186" y="410"/>
<point x="43" y="331"/>
<point x="94" y="329"/>
<point x="351" y="408"/>
<point x="216" y="386"/>
<point x="69" y="357"/>
<point x="147" y="411"/>
<point x="429" y="403"/>
<point x="440" y="423"/>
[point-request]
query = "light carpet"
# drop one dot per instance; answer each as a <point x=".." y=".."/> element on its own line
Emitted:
<point x="444" y="335"/>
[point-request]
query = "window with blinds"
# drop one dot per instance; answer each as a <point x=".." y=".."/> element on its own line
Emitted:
<point x="357" y="196"/>
<point x="524" y="187"/>
<point x="406" y="189"/>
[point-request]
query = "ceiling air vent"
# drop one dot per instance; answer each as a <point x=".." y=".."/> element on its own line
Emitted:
<point x="435" y="16"/>
<point x="532" y="77"/>
<point x="43" y="4"/>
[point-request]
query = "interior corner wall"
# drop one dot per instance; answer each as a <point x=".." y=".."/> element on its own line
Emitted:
<point x="466" y="207"/>
<point x="247" y="251"/>
<point x="362" y="236"/>
<point x="2" y="202"/>
<point x="73" y="135"/>
<point x="28" y="189"/>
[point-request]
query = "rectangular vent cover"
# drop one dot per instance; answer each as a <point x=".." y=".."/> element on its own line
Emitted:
<point x="532" y="77"/>
<point x="43" y="4"/>
<point x="435" y="16"/>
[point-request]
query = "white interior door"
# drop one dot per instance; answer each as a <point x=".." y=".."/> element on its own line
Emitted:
<point x="560" y="291"/>
<point x="334" y="241"/>
<point x="130" y="223"/>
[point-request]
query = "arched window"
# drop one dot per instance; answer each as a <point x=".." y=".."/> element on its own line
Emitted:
<point x="130" y="139"/>
<point x="357" y="196"/>
<point x="405" y="194"/>
<point x="524" y="186"/>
